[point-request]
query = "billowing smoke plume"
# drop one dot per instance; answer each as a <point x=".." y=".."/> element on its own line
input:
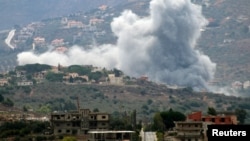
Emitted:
<point x="160" y="45"/>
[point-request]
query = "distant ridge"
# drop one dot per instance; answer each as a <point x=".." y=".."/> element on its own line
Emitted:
<point x="16" y="12"/>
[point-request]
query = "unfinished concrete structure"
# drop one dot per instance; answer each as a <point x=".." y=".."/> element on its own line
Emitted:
<point x="187" y="131"/>
<point x="78" y="122"/>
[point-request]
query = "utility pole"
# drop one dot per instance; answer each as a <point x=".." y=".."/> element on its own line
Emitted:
<point x="78" y="103"/>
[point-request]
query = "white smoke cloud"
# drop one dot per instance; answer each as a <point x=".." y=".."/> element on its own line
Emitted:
<point x="160" y="45"/>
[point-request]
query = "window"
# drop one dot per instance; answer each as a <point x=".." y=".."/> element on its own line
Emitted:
<point x="222" y="120"/>
<point x="213" y="119"/>
<point x="103" y="117"/>
<point x="59" y="131"/>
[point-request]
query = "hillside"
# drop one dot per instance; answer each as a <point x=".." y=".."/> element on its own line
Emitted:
<point x="145" y="98"/>
<point x="56" y="92"/>
<point x="225" y="40"/>
<point x="15" y="12"/>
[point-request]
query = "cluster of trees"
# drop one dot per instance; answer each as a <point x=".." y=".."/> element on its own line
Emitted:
<point x="165" y="120"/>
<point x="32" y="68"/>
<point x="21" y="129"/>
<point x="58" y="77"/>
<point x="6" y="102"/>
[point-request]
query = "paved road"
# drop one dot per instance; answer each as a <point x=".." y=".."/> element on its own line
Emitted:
<point x="148" y="136"/>
<point x="10" y="36"/>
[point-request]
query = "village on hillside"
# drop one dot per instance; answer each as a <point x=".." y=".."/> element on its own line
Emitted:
<point x="83" y="124"/>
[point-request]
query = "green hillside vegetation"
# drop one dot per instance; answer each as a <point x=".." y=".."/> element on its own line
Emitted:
<point x="32" y="68"/>
<point x="54" y="93"/>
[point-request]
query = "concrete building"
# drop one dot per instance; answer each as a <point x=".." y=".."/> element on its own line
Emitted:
<point x="218" y="119"/>
<point x="3" y="82"/>
<point x="39" y="40"/>
<point x="78" y="122"/>
<point x="86" y="126"/>
<point x="237" y="85"/>
<point x="25" y="83"/>
<point x="195" y="127"/>
<point x="57" y="42"/>
<point x="187" y="131"/>
<point x="246" y="85"/>
<point x="113" y="80"/>
<point x="190" y="131"/>
<point x="75" y="24"/>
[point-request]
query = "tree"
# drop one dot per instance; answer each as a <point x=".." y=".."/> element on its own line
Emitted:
<point x="211" y="111"/>
<point x="117" y="72"/>
<point x="241" y="115"/>
<point x="117" y="123"/>
<point x="170" y="116"/>
<point x="29" y="77"/>
<point x="45" y="109"/>
<point x="27" y="89"/>
<point x="68" y="105"/>
<point x="54" y="77"/>
<point x="145" y="107"/>
<point x="96" y="110"/>
<point x="8" y="103"/>
<point x="188" y="90"/>
<point x="1" y="98"/>
<point x="158" y="122"/>
<point x="95" y="75"/>
<point x="25" y="109"/>
<point x="79" y="69"/>
<point x="32" y="68"/>
<point x="71" y="80"/>
<point x="149" y="101"/>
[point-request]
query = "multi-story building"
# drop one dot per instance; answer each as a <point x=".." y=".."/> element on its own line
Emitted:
<point x="213" y="119"/>
<point x="195" y="127"/>
<point x="98" y="121"/>
<point x="78" y="122"/>
<point x="187" y="131"/>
